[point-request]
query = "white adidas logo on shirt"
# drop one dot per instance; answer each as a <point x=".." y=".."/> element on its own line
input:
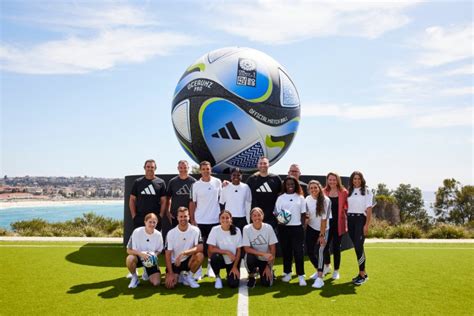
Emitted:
<point x="149" y="190"/>
<point x="264" y="188"/>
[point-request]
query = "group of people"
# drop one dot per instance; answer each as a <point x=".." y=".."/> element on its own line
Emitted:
<point x="232" y="222"/>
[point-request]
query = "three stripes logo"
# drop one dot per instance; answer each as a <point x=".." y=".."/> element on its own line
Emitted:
<point x="260" y="240"/>
<point x="227" y="132"/>
<point x="184" y="190"/>
<point x="149" y="190"/>
<point x="264" y="188"/>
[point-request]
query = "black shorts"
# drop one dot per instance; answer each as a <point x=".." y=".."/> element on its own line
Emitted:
<point x="149" y="271"/>
<point x="184" y="266"/>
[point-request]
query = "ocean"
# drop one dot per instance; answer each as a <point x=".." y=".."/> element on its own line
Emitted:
<point x="58" y="213"/>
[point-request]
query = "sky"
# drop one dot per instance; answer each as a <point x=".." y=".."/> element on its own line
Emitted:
<point x="385" y="87"/>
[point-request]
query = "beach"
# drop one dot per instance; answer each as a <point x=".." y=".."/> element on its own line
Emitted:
<point x="55" y="203"/>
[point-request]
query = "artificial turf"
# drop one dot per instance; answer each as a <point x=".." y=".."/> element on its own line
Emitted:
<point x="64" y="278"/>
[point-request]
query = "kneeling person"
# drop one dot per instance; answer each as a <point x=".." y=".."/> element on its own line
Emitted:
<point x="183" y="251"/>
<point x="259" y="241"/>
<point x="143" y="249"/>
<point x="224" y="244"/>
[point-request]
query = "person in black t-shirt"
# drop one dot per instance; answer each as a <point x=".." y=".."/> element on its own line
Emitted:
<point x="178" y="191"/>
<point x="148" y="196"/>
<point x="265" y="188"/>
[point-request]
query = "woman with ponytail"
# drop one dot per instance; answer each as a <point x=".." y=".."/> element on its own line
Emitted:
<point x="225" y="241"/>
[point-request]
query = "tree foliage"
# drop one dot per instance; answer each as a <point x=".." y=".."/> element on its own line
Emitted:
<point x="454" y="202"/>
<point x="411" y="204"/>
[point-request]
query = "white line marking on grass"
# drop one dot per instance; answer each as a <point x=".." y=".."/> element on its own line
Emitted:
<point x="60" y="246"/>
<point x="243" y="302"/>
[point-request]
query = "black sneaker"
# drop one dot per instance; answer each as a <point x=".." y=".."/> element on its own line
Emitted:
<point x="361" y="280"/>
<point x="251" y="282"/>
<point x="358" y="276"/>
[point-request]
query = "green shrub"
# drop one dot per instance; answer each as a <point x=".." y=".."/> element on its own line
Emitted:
<point x="89" y="225"/>
<point x="378" y="228"/>
<point x="5" y="232"/>
<point x="444" y="231"/>
<point x="409" y="231"/>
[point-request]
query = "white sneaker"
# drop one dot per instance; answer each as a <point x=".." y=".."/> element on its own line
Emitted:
<point x="218" y="284"/>
<point x="189" y="281"/>
<point x="210" y="273"/>
<point x="301" y="280"/>
<point x="314" y="276"/>
<point x="182" y="277"/>
<point x="134" y="282"/>
<point x="335" y="275"/>
<point x="286" y="277"/>
<point x="327" y="269"/>
<point x="198" y="274"/>
<point x="145" y="276"/>
<point x="318" y="283"/>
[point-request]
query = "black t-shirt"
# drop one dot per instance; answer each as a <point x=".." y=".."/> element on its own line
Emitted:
<point x="334" y="208"/>
<point x="148" y="194"/>
<point x="179" y="190"/>
<point x="265" y="191"/>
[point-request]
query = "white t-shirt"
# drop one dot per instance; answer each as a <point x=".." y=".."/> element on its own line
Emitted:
<point x="295" y="204"/>
<point x="179" y="241"/>
<point x="314" y="219"/>
<point x="141" y="241"/>
<point x="224" y="240"/>
<point x="237" y="199"/>
<point x="358" y="203"/>
<point x="259" y="239"/>
<point x="206" y="196"/>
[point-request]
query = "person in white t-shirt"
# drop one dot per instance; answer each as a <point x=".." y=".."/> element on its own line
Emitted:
<point x="144" y="242"/>
<point x="259" y="242"/>
<point x="204" y="208"/>
<point x="225" y="241"/>
<point x="359" y="213"/>
<point x="237" y="198"/>
<point x="318" y="207"/>
<point x="183" y="251"/>
<point x="291" y="234"/>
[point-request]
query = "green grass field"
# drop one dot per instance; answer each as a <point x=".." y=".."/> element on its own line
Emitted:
<point x="84" y="279"/>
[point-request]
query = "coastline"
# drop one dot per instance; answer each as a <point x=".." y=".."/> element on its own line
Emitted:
<point x="55" y="203"/>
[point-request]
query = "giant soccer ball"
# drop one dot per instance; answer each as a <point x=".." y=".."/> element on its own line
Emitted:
<point x="234" y="105"/>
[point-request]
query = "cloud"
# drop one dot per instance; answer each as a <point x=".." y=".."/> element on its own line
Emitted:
<point x="355" y="112"/>
<point x="447" y="117"/>
<point x="457" y="91"/>
<point x="280" y="22"/>
<point x="93" y="38"/>
<point x="415" y="116"/>
<point x="443" y="45"/>
<point x="76" y="55"/>
<point x="460" y="71"/>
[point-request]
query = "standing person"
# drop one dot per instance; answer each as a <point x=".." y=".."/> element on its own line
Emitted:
<point x="337" y="193"/>
<point x="236" y="198"/>
<point x="291" y="234"/>
<point x="265" y="188"/>
<point x="183" y="251"/>
<point x="204" y="207"/>
<point x="178" y="191"/>
<point x="318" y="207"/>
<point x="225" y="241"/>
<point x="359" y="213"/>
<point x="143" y="243"/>
<point x="148" y="196"/>
<point x="259" y="242"/>
<point x="295" y="171"/>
